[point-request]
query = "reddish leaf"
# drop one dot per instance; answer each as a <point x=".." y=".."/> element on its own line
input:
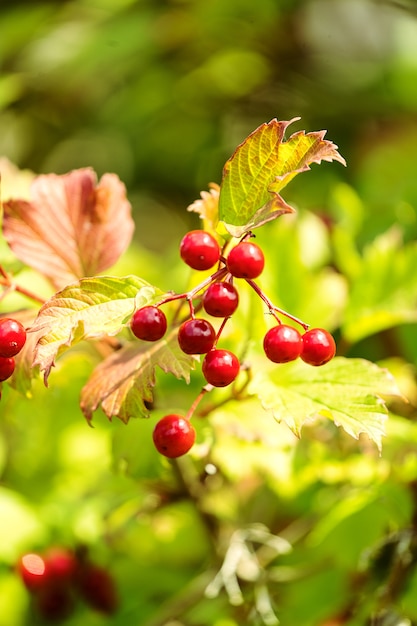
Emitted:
<point x="122" y="383"/>
<point x="72" y="227"/>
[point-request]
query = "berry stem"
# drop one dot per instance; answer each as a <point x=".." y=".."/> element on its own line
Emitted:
<point x="8" y="283"/>
<point x="219" y="332"/>
<point x="275" y="309"/>
<point x="190" y="295"/>
<point x="197" y="401"/>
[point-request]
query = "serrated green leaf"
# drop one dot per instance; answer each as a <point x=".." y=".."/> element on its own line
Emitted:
<point x="88" y="309"/>
<point x="349" y="392"/>
<point x="384" y="291"/>
<point x="122" y="384"/>
<point x="260" y="167"/>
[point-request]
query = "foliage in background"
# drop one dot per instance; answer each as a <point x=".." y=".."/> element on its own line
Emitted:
<point x="161" y="94"/>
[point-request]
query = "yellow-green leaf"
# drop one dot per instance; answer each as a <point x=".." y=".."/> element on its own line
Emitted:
<point x="350" y="392"/>
<point x="260" y="167"/>
<point x="88" y="309"/>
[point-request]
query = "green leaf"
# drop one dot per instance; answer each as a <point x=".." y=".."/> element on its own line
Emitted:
<point x="88" y="309"/>
<point x="122" y="384"/>
<point x="348" y="391"/>
<point x="260" y="167"/>
<point x="383" y="293"/>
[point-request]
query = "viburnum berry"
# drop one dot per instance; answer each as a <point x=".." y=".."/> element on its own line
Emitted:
<point x="149" y="323"/>
<point x="318" y="347"/>
<point x="220" y="367"/>
<point x="196" y="336"/>
<point x="220" y="299"/>
<point x="97" y="587"/>
<point x="7" y="366"/>
<point x="282" y="343"/>
<point x="61" y="565"/>
<point x="33" y="571"/>
<point x="54" y="602"/>
<point x="173" y="436"/>
<point x="246" y="260"/>
<point x="199" y="250"/>
<point x="12" y="337"/>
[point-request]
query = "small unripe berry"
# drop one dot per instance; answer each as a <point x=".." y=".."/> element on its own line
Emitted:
<point x="246" y="260"/>
<point x="282" y="343"/>
<point x="173" y="436"/>
<point x="199" y="250"/>
<point x="319" y="347"/>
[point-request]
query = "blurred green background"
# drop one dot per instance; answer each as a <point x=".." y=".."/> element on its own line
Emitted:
<point x="161" y="92"/>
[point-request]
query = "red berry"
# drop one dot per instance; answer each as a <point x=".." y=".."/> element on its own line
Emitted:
<point x="12" y="337"/>
<point x="319" y="347"/>
<point x="282" y="344"/>
<point x="196" y="336"/>
<point x="173" y="436"/>
<point x="7" y="366"/>
<point x="199" y="250"/>
<point x="220" y="367"/>
<point x="220" y="299"/>
<point x="61" y="565"/>
<point x="149" y="323"/>
<point x="54" y="603"/>
<point x="33" y="571"/>
<point x="246" y="260"/>
<point x="97" y="587"/>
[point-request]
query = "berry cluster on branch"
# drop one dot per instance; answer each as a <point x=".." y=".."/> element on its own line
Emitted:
<point x="174" y="435"/>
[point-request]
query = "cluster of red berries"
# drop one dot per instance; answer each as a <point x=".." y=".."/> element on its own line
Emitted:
<point x="12" y="340"/>
<point x="57" y="577"/>
<point x="174" y="435"/>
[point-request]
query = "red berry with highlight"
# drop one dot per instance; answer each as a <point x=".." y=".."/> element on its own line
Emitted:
<point x="33" y="571"/>
<point x="6" y="367"/>
<point x="173" y="436"/>
<point x="246" y="260"/>
<point x="282" y="343"/>
<point x="220" y="367"/>
<point x="220" y="299"/>
<point x="149" y="323"/>
<point x="199" y="250"/>
<point x="196" y="336"/>
<point x="319" y="347"/>
<point x="12" y="337"/>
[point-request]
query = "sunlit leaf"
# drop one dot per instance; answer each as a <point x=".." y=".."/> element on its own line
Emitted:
<point x="350" y="392"/>
<point x="89" y="309"/>
<point x="260" y="167"/>
<point x="383" y="293"/>
<point x="122" y="384"/>
<point x="72" y="227"/>
<point x="207" y="207"/>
